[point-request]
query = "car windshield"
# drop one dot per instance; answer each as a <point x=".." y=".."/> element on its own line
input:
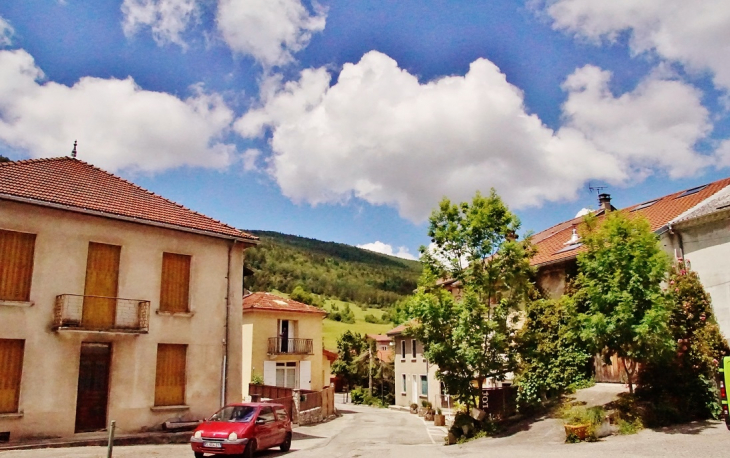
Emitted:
<point x="238" y="414"/>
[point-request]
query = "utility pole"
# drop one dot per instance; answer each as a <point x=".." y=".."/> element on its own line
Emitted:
<point x="370" y="372"/>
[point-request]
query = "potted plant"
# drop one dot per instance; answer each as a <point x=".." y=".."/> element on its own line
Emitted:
<point x="439" y="419"/>
<point x="414" y="408"/>
<point x="425" y="406"/>
<point x="581" y="422"/>
<point x="429" y="415"/>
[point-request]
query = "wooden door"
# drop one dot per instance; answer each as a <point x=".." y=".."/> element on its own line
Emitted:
<point x="93" y="387"/>
<point x="11" y="369"/>
<point x="102" y="280"/>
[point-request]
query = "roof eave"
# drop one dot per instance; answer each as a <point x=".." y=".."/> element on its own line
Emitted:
<point x="129" y="219"/>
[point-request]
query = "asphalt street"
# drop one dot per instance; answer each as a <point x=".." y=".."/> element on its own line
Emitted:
<point x="382" y="433"/>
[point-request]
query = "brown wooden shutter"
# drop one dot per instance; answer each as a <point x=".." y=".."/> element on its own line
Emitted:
<point x="102" y="279"/>
<point x="170" y="377"/>
<point x="11" y="368"/>
<point x="16" y="265"/>
<point x="175" y="285"/>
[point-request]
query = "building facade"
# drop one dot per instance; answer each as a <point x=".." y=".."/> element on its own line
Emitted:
<point x="282" y="341"/>
<point x="115" y="304"/>
<point x="415" y="378"/>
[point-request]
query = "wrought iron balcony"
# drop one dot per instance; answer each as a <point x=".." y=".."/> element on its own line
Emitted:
<point x="75" y="312"/>
<point x="281" y="346"/>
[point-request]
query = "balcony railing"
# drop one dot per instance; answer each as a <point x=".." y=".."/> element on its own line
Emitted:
<point x="281" y="346"/>
<point x="75" y="312"/>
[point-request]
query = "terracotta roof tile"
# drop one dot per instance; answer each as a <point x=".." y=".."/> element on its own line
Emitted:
<point x="268" y="301"/>
<point x="397" y="330"/>
<point x="659" y="213"/>
<point x="378" y="337"/>
<point x="75" y="184"/>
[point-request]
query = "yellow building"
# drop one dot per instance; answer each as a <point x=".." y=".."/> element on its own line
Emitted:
<point x="282" y="341"/>
<point x="115" y="304"/>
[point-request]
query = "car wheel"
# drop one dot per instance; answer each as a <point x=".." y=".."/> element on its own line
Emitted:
<point x="198" y="454"/>
<point x="286" y="445"/>
<point x="250" y="449"/>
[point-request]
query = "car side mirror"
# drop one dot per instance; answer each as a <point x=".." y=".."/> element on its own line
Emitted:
<point x="260" y="421"/>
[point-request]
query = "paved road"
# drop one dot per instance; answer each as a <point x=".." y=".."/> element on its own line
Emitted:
<point x="381" y="433"/>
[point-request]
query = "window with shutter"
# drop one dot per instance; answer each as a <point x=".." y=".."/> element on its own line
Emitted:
<point x="175" y="285"/>
<point x="11" y="368"/>
<point x="170" y="377"/>
<point x="16" y="265"/>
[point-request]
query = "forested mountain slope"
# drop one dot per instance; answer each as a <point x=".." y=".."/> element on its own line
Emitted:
<point x="331" y="269"/>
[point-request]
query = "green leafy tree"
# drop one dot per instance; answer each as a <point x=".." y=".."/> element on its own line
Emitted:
<point x="472" y="338"/>
<point x="4" y="159"/>
<point x="624" y="310"/>
<point x="348" y="365"/>
<point x="683" y="383"/>
<point x="553" y="356"/>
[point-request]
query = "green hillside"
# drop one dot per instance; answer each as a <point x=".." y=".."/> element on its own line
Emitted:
<point x="332" y="270"/>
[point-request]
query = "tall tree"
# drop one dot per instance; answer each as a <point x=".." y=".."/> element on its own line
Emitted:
<point x="624" y="310"/>
<point x="4" y="159"/>
<point x="471" y="338"/>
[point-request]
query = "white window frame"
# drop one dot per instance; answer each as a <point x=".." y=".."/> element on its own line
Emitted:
<point x="421" y="393"/>
<point x="405" y="384"/>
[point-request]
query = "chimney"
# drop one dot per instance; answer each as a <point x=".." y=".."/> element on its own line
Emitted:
<point x="604" y="202"/>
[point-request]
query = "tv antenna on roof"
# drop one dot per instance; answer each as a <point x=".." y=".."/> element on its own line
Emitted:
<point x="73" y="153"/>
<point x="597" y="189"/>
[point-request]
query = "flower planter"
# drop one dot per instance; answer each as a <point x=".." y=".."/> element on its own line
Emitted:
<point x="422" y="411"/>
<point x="428" y="416"/>
<point x="439" y="420"/>
<point x="579" y="431"/>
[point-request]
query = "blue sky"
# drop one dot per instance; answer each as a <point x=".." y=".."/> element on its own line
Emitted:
<point x="348" y="121"/>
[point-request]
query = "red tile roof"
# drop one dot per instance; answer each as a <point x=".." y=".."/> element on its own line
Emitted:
<point x="76" y="185"/>
<point x="551" y="241"/>
<point x="268" y="301"/>
<point x="330" y="355"/>
<point x="378" y="337"/>
<point x="398" y="330"/>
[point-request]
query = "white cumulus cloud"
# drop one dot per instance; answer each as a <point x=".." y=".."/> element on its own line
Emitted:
<point x="384" y="248"/>
<point x="693" y="33"/>
<point x="118" y="124"/>
<point x="380" y="135"/>
<point x="166" y="19"/>
<point x="6" y="33"/>
<point x="270" y="31"/>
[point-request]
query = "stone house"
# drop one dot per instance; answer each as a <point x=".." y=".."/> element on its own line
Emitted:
<point x="115" y="303"/>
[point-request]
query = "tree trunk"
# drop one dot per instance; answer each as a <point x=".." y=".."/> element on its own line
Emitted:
<point x="629" y="374"/>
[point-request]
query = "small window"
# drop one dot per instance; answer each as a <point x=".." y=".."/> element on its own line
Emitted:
<point x="405" y="383"/>
<point x="645" y="205"/>
<point x="16" y="265"/>
<point x="267" y="414"/>
<point x="170" y="377"/>
<point x="424" y="385"/>
<point x="11" y="369"/>
<point x="175" y="283"/>
<point x="413" y="347"/>
<point x="691" y="191"/>
<point x="569" y="248"/>
<point x="403" y="349"/>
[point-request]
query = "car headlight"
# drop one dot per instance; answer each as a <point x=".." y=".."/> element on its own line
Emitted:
<point x="198" y="434"/>
<point x="232" y="436"/>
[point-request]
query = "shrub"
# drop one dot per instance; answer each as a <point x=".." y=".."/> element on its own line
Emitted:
<point x="681" y="387"/>
<point x="257" y="379"/>
<point x="357" y="396"/>
<point x="553" y="359"/>
<point x="581" y="415"/>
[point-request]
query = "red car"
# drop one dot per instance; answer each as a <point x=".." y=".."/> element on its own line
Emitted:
<point x="241" y="429"/>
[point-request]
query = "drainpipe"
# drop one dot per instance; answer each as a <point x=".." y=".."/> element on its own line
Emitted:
<point x="679" y="239"/>
<point x="224" y="371"/>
